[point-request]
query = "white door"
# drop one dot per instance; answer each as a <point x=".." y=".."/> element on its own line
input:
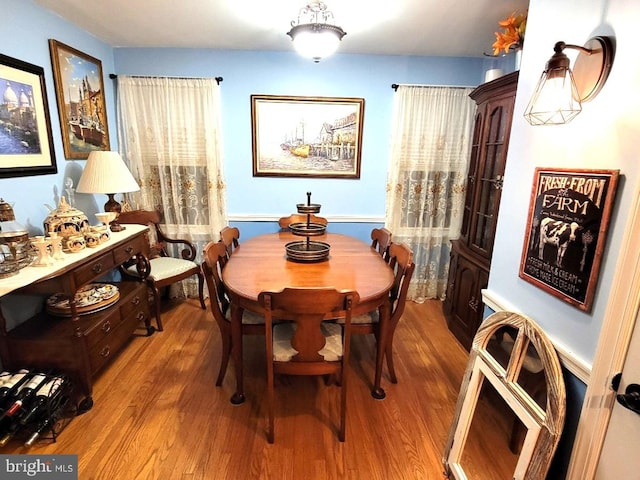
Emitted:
<point x="619" y="458"/>
<point x="608" y="436"/>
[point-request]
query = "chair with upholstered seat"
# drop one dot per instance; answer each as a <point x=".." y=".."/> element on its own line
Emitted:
<point x="302" y="343"/>
<point x="380" y="240"/>
<point x="215" y="257"/>
<point x="401" y="261"/>
<point x="164" y="270"/>
<point x="284" y="222"/>
<point x="230" y="236"/>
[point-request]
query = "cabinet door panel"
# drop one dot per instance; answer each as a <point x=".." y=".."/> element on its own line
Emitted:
<point x="471" y="254"/>
<point x="491" y="170"/>
<point x="472" y="175"/>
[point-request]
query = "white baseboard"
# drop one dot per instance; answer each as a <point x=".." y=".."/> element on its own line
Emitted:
<point x="574" y="364"/>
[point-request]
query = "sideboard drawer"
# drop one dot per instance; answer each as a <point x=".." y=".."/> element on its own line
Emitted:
<point x="134" y="246"/>
<point x="94" y="269"/>
<point x="109" y="319"/>
<point x="102" y="352"/>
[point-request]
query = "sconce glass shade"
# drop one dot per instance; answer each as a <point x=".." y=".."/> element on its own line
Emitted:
<point x="555" y="99"/>
<point x="314" y="34"/>
<point x="560" y="92"/>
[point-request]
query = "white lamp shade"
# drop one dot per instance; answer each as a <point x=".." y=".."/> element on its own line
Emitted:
<point x="105" y="172"/>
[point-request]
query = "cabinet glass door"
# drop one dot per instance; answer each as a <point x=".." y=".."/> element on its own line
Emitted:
<point x="472" y="175"/>
<point x="490" y="176"/>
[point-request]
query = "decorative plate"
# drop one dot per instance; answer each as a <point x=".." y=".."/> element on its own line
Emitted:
<point x="89" y="298"/>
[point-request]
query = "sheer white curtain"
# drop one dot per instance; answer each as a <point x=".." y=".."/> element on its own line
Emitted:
<point x="169" y="132"/>
<point x="430" y="145"/>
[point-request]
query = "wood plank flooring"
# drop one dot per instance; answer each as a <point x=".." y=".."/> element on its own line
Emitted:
<point x="158" y="414"/>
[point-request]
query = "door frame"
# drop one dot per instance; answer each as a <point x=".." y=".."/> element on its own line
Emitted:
<point x="611" y="353"/>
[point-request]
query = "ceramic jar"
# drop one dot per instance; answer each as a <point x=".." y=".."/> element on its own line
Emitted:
<point x="67" y="221"/>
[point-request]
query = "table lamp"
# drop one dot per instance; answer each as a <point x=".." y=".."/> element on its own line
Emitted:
<point x="105" y="172"/>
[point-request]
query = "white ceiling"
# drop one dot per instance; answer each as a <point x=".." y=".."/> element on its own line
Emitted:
<point x="395" y="27"/>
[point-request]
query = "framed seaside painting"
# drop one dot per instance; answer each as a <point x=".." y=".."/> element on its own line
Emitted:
<point x="81" y="104"/>
<point x="567" y="226"/>
<point x="306" y="136"/>
<point x="26" y="144"/>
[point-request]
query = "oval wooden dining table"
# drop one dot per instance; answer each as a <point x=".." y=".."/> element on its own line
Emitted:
<point x="261" y="264"/>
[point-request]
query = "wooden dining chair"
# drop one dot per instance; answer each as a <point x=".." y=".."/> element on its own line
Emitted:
<point x="302" y="343"/>
<point x="165" y="269"/>
<point x="230" y="236"/>
<point x="284" y="222"/>
<point x="215" y="257"/>
<point x="380" y="240"/>
<point x="401" y="261"/>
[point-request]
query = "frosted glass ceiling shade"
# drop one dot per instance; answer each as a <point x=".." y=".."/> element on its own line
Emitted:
<point x="315" y="34"/>
<point x="315" y="43"/>
<point x="105" y="172"/>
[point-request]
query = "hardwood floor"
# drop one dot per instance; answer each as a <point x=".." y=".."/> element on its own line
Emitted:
<point x="158" y="414"/>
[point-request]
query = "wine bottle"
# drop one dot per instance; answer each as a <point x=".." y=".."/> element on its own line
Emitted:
<point x="46" y="423"/>
<point x="11" y="386"/>
<point x="4" y="376"/>
<point x="45" y="398"/>
<point x="24" y="394"/>
<point x="9" y="427"/>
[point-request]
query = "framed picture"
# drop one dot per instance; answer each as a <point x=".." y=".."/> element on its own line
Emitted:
<point x="566" y="231"/>
<point x="306" y="136"/>
<point x="26" y="144"/>
<point x="80" y="96"/>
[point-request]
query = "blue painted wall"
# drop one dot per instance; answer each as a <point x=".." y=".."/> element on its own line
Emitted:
<point x="277" y="73"/>
<point x="24" y="34"/>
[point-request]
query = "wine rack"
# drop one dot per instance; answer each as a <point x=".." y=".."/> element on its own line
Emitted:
<point x="40" y="416"/>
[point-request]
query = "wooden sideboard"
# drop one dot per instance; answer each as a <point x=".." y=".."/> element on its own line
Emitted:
<point x="79" y="345"/>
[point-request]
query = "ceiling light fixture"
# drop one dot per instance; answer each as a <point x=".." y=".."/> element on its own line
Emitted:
<point x="315" y="34"/>
<point x="560" y="92"/>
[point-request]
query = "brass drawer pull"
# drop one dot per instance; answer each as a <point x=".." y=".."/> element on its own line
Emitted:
<point x="105" y="352"/>
<point x="135" y="301"/>
<point x="140" y="316"/>
<point x="106" y="326"/>
<point x="129" y="250"/>
<point x="97" y="268"/>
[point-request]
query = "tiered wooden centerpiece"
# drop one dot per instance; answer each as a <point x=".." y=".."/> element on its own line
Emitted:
<point x="307" y="250"/>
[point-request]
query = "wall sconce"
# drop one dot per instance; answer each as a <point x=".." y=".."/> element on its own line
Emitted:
<point x="560" y="92"/>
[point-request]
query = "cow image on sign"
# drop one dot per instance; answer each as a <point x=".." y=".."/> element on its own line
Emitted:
<point x="558" y="234"/>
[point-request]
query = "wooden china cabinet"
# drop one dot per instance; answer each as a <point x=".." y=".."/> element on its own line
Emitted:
<point x="471" y="253"/>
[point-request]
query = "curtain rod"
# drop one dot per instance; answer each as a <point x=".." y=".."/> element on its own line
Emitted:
<point x="113" y="76"/>
<point x="396" y="85"/>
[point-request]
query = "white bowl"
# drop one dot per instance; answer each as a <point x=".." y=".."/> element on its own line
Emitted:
<point x="106" y="217"/>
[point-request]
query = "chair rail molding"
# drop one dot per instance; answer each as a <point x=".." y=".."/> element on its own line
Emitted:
<point x="251" y="217"/>
<point x="568" y="359"/>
